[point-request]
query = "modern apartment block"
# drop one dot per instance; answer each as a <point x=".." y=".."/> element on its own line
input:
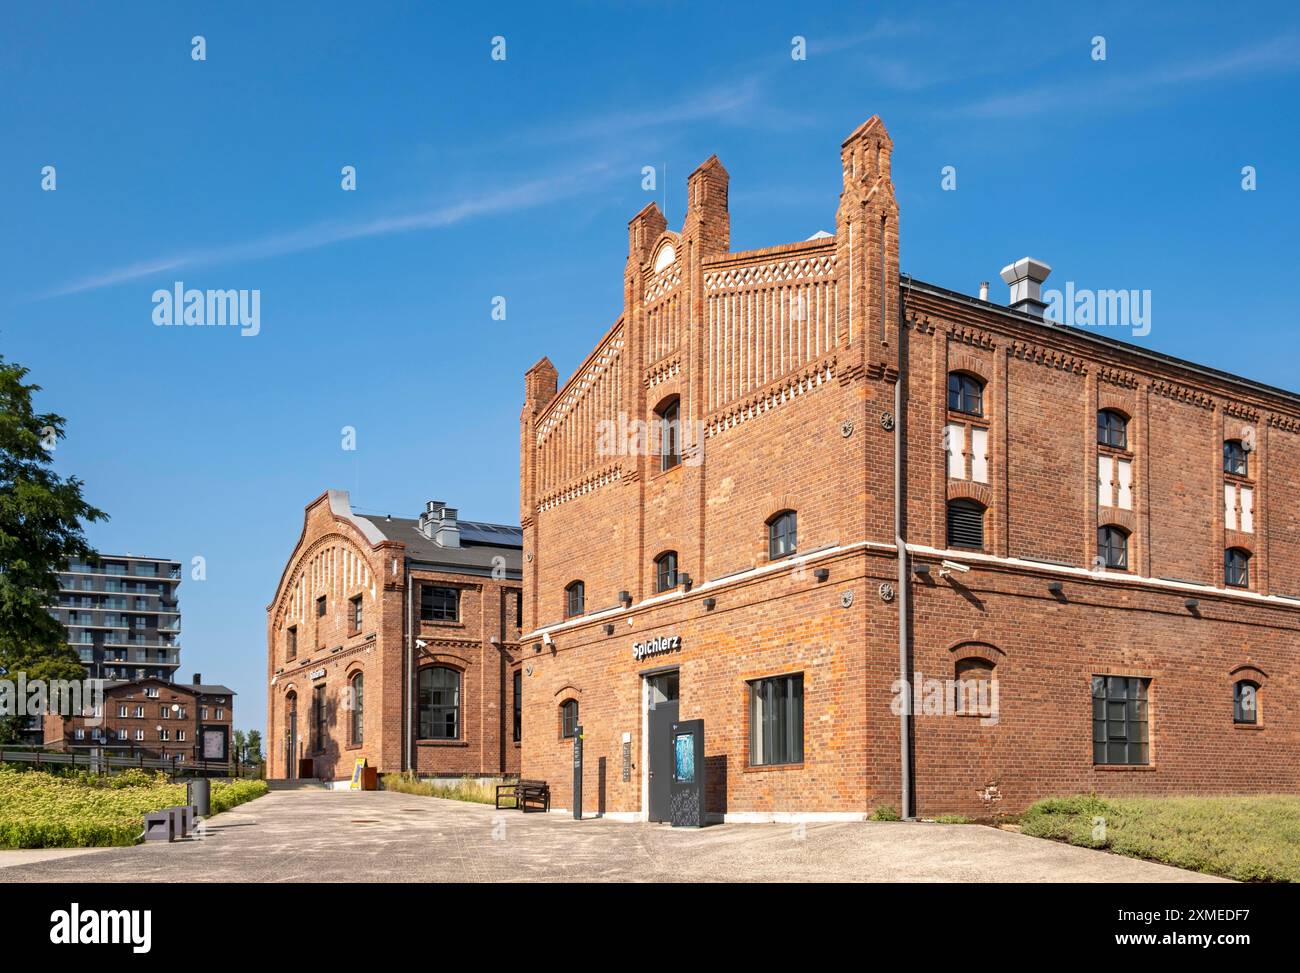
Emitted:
<point x="123" y="615"/>
<point x="895" y="545"/>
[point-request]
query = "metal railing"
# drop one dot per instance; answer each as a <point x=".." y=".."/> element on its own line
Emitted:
<point x="99" y="759"/>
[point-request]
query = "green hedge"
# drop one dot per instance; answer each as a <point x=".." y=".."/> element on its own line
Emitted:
<point x="39" y="809"/>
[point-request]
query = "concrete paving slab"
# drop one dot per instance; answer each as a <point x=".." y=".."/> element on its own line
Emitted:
<point x="376" y="836"/>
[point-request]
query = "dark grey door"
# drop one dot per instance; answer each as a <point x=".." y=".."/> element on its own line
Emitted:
<point x="663" y="714"/>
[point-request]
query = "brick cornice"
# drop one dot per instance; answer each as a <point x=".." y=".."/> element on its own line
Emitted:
<point x="1051" y="357"/>
<point x="1182" y="393"/>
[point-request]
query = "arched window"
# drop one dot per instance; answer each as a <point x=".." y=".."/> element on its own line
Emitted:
<point x="966" y="524"/>
<point x="438" y="703"/>
<point x="1112" y="429"/>
<point x="575" y="596"/>
<point x="669" y="417"/>
<point x="1234" y="458"/>
<point x="666" y="571"/>
<point x="357" y="702"/>
<point x="569" y="718"/>
<point x="1245" y="701"/>
<point x="782" y="534"/>
<point x="1236" y="567"/>
<point x="965" y="394"/>
<point x="1112" y="546"/>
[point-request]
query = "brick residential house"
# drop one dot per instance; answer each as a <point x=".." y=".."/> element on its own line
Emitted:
<point x="395" y="640"/>
<point x="797" y="495"/>
<point x="190" y="723"/>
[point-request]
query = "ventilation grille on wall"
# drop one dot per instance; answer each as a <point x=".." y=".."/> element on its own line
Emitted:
<point x="965" y="524"/>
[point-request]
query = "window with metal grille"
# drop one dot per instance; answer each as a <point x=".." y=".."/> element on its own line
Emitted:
<point x="569" y="718"/>
<point x="1112" y="429"/>
<point x="438" y="703"/>
<point x="776" y="721"/>
<point x="1112" y="546"/>
<point x="1234" y="458"/>
<point x="782" y="534"/>
<point x="439" y="604"/>
<point x="965" y="394"/>
<point x="574" y="599"/>
<point x="965" y="524"/>
<point x="1245" y="702"/>
<point x="1236" y="567"/>
<point x="666" y="571"/>
<point x="1119" y="720"/>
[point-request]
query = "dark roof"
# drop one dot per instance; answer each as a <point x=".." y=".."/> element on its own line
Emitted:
<point x="480" y="545"/>
<point x="202" y="689"/>
<point x="909" y="282"/>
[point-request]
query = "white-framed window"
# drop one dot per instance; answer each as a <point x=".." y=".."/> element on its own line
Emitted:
<point x="139" y="734"/>
<point x="967" y="448"/>
<point x="1114" y="482"/>
<point x="121" y="733"/>
<point x="1239" y="508"/>
<point x="221" y="714"/>
<point x="78" y="734"/>
<point x="121" y="711"/>
<point x="203" y="712"/>
<point x="151" y="692"/>
<point x="164" y="735"/>
<point x="139" y="712"/>
<point x="180" y="736"/>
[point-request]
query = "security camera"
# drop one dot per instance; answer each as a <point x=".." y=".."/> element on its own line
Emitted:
<point x="546" y="639"/>
<point x="950" y="566"/>
<point x="420" y="643"/>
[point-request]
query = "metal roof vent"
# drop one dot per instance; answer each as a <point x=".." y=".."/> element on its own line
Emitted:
<point x="1026" y="277"/>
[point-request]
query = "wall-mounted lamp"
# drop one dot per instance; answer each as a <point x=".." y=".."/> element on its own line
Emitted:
<point x="1055" y="587"/>
<point x="625" y="598"/>
<point x="684" y="580"/>
<point x="494" y="639"/>
<point x="710" y="604"/>
<point x="609" y="628"/>
<point x="1191" y="604"/>
<point x="821" y="574"/>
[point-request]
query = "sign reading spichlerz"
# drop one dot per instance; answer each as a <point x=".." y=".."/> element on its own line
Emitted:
<point x="317" y="673"/>
<point x="656" y="646"/>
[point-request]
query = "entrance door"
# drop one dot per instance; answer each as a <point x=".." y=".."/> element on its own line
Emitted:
<point x="663" y="690"/>
<point x="291" y="743"/>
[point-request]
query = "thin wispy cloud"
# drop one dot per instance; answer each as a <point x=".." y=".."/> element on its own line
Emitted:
<point x="527" y="195"/>
<point x="1280" y="55"/>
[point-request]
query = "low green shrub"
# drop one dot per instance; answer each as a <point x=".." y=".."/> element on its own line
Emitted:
<point x="465" y="789"/>
<point x="884" y="813"/>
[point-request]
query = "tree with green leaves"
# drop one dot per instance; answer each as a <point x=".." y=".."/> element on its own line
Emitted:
<point x="41" y="518"/>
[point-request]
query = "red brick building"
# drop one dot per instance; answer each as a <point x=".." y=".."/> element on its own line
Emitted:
<point x="395" y="640"/>
<point x="190" y="723"/>
<point x="776" y="461"/>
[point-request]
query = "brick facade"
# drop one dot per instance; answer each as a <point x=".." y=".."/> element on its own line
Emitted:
<point x="314" y="659"/>
<point x="793" y="369"/>
<point x="151" y="717"/>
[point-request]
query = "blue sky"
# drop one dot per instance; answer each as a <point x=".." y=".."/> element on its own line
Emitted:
<point x="478" y="178"/>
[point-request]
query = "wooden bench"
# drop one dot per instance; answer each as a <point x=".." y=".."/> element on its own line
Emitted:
<point x="527" y="794"/>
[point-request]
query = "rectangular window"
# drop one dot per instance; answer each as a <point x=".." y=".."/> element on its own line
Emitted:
<point x="203" y="712"/>
<point x="776" y="721"/>
<point x="1247" y="495"/>
<point x="121" y="734"/>
<point x="1124" y="484"/>
<point x="519" y="608"/>
<point x="164" y="734"/>
<point x="139" y="735"/>
<point x="121" y="711"/>
<point x="439" y="604"/>
<point x="1229" y="506"/>
<point x="221" y="714"/>
<point x="139" y="712"/>
<point x="164" y="712"/>
<point x="355" y="614"/>
<point x="320" y="607"/>
<point x="151" y="692"/>
<point x="180" y="736"/>
<point x="979" y="454"/>
<point x="291" y="643"/>
<point x="1119" y="720"/>
<point x="519" y="705"/>
<point x="79" y="734"/>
